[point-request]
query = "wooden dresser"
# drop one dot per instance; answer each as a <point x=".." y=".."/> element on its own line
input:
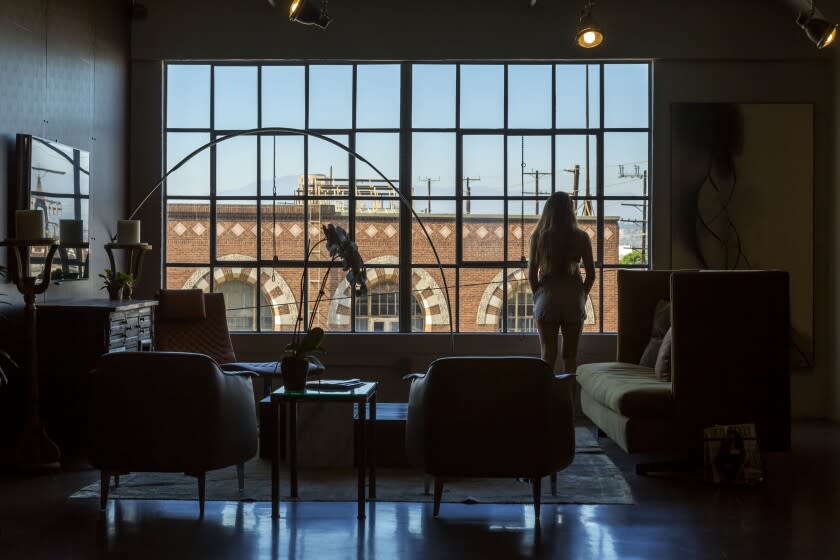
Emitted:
<point x="72" y="335"/>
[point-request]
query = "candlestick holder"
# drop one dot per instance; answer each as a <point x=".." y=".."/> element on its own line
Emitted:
<point x="135" y="257"/>
<point x="36" y="450"/>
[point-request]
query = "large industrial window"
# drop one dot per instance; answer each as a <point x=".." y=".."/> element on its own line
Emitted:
<point x="477" y="148"/>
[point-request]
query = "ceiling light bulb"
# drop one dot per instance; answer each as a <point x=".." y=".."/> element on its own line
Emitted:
<point x="589" y="33"/>
<point x="830" y="38"/>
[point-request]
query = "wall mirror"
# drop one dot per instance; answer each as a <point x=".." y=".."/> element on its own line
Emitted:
<point x="55" y="179"/>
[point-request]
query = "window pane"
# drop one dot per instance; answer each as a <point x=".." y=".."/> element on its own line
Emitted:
<point x="522" y="218"/>
<point x="572" y="88"/>
<point x="529" y="96"/>
<point x="188" y="231"/>
<point x="626" y="95"/>
<point x="284" y="235"/>
<point x="379" y="309"/>
<point x="383" y="151"/>
<point x="433" y="96"/>
<point x="520" y="303"/>
<point x="378" y="230"/>
<point x="484" y="162"/>
<point x="241" y="303"/>
<point x="236" y="167"/>
<point x="592" y="322"/>
<point x="439" y="218"/>
<point x="534" y="167"/>
<point x="235" y="97"/>
<point x="378" y="96"/>
<point x="331" y="96"/>
<point x="193" y="178"/>
<point x="280" y="294"/>
<point x="322" y="213"/>
<point x="187" y="277"/>
<point x="187" y="96"/>
<point x="236" y="230"/>
<point x="625" y="163"/>
<point x="433" y="164"/>
<point x="430" y="310"/>
<point x="281" y="165"/>
<point x="480" y="299"/>
<point x="573" y="164"/>
<point x="482" y="96"/>
<point x="610" y="292"/>
<point x="587" y="219"/>
<point x="483" y="235"/>
<point x="328" y="172"/>
<point x="284" y="96"/>
<point x="629" y="245"/>
<point x="333" y="312"/>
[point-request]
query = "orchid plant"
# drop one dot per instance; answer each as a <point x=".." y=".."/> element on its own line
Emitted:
<point x="342" y="249"/>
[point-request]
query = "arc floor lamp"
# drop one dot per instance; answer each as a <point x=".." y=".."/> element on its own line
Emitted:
<point x="300" y="132"/>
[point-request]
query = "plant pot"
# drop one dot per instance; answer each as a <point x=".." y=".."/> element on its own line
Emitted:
<point x="294" y="371"/>
<point x="115" y="292"/>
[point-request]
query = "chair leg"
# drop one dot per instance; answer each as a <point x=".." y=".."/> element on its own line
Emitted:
<point x="535" y="485"/>
<point x="427" y="482"/>
<point x="104" y="483"/>
<point x="116" y="481"/>
<point x="438" y="495"/>
<point x="201" y="485"/>
<point x="240" y="475"/>
<point x="554" y="483"/>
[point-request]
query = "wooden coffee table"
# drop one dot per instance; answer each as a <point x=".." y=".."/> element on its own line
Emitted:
<point x="364" y="449"/>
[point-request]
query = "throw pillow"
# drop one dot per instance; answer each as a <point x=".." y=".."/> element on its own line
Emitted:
<point x="661" y="324"/>
<point x="662" y="369"/>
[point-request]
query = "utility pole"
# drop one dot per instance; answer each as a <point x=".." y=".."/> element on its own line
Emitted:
<point x="469" y="189"/>
<point x="536" y="174"/>
<point x="429" y="182"/>
<point x="575" y="183"/>
<point x="643" y="207"/>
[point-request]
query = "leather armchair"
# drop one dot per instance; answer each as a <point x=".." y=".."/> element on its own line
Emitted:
<point x="169" y="412"/>
<point x="490" y="417"/>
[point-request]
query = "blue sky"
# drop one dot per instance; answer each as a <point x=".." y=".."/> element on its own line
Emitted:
<point x="433" y="106"/>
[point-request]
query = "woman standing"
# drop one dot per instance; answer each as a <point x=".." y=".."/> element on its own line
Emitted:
<point x="557" y="248"/>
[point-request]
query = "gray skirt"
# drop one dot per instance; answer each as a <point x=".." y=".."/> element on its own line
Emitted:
<point x="560" y="299"/>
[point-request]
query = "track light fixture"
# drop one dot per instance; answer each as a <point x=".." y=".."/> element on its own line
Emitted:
<point x="589" y="33"/>
<point x="819" y="30"/>
<point x="308" y="12"/>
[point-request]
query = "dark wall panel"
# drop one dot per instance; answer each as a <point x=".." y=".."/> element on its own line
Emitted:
<point x="64" y="76"/>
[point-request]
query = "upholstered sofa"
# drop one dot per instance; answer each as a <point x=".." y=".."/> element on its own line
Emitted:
<point x="729" y="361"/>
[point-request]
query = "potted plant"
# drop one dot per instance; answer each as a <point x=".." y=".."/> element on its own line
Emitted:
<point x="115" y="283"/>
<point x="300" y="352"/>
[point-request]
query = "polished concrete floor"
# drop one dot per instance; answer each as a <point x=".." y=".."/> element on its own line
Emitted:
<point x="794" y="514"/>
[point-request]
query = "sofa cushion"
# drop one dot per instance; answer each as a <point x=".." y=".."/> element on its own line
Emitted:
<point x="661" y="324"/>
<point x="629" y="389"/>
<point x="662" y="369"/>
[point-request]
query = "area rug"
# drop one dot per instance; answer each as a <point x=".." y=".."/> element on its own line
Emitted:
<point x="591" y="479"/>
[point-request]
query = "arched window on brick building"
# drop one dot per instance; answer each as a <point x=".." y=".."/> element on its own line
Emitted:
<point x="242" y="307"/>
<point x="520" y="308"/>
<point x="379" y="310"/>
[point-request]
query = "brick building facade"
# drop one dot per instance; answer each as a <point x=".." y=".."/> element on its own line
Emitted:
<point x="480" y="291"/>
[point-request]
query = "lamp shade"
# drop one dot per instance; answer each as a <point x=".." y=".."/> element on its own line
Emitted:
<point x="820" y="31"/>
<point x="589" y="33"/>
<point x="308" y="12"/>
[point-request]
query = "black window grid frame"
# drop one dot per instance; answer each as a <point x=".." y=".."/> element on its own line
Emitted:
<point x="405" y="181"/>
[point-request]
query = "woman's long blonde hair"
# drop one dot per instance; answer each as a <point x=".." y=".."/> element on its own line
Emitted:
<point x="553" y="241"/>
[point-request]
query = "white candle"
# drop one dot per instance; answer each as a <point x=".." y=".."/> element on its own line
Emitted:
<point x="70" y="232"/>
<point x="29" y="224"/>
<point x="128" y="232"/>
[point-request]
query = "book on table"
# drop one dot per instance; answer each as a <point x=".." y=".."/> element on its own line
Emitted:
<point x="334" y="384"/>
